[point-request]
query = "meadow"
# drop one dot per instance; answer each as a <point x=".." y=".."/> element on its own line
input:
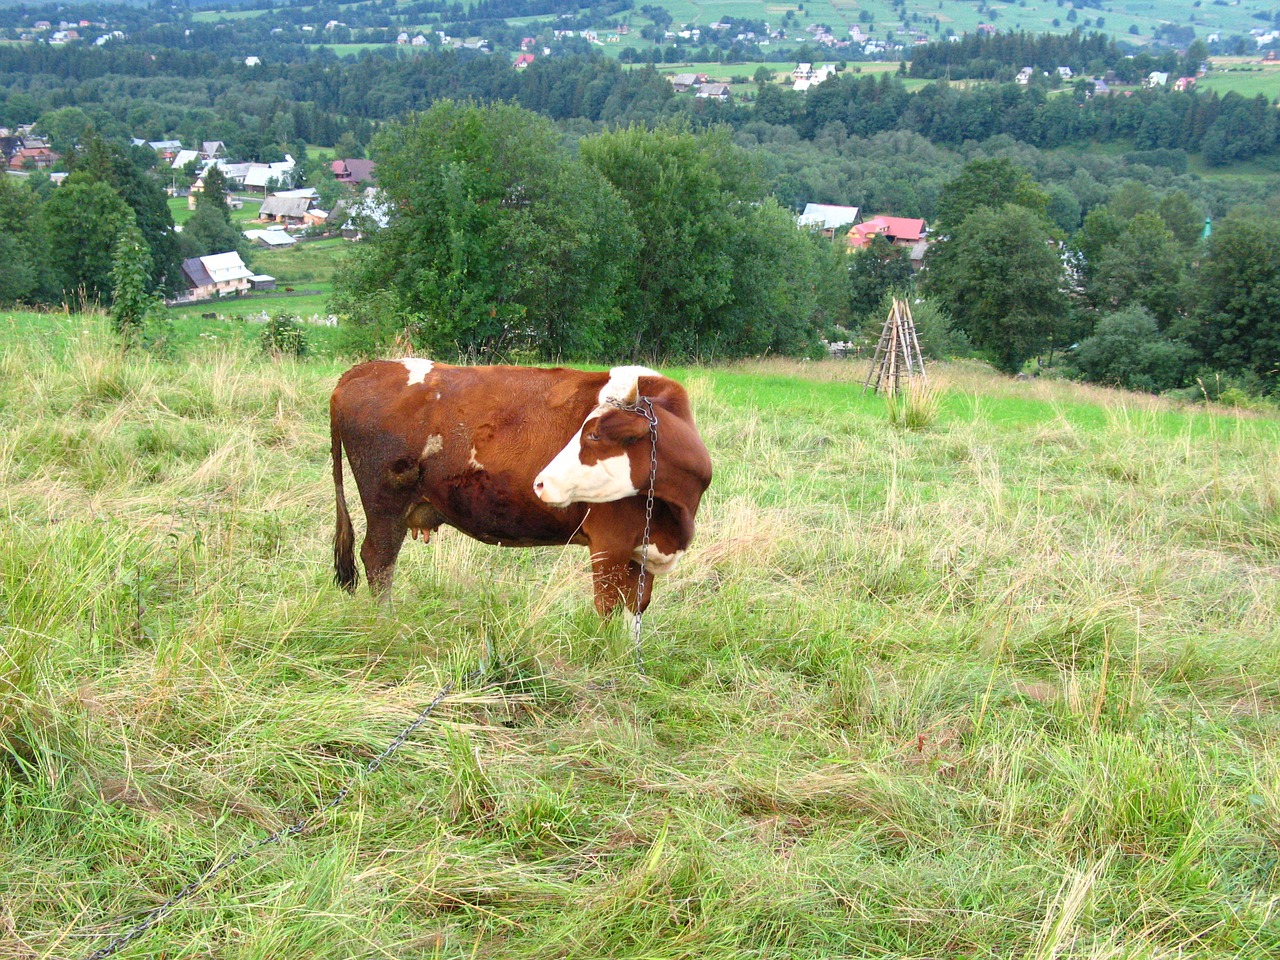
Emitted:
<point x="1001" y="679"/>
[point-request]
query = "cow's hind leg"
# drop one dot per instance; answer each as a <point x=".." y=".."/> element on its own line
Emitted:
<point x="382" y="542"/>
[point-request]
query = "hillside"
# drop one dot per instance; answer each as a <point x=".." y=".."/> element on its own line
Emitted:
<point x="1004" y="685"/>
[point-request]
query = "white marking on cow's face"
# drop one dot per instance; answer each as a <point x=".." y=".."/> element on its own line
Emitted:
<point x="475" y="464"/>
<point x="418" y="368"/>
<point x="566" y="479"/>
<point x="655" y="561"/>
<point x="434" y="444"/>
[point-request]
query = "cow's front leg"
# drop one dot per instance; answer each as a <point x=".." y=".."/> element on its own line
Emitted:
<point x="616" y="579"/>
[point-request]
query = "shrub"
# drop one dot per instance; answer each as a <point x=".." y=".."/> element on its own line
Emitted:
<point x="1128" y="350"/>
<point x="284" y="335"/>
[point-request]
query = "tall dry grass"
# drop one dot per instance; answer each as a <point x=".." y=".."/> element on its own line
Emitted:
<point x="1003" y="684"/>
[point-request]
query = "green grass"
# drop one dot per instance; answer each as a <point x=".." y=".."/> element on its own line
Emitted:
<point x="1000" y="683"/>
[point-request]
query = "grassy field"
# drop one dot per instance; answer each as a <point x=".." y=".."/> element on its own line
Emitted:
<point x="1003" y="685"/>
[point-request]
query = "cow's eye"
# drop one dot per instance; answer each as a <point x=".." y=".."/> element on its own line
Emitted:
<point x="593" y="437"/>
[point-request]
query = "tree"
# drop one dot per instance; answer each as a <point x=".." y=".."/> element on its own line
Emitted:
<point x="1127" y="349"/>
<point x="697" y="202"/>
<point x="215" y="190"/>
<point x="83" y="218"/>
<point x="1143" y="266"/>
<point x="101" y="160"/>
<point x="874" y="271"/>
<point x="64" y="127"/>
<point x="987" y="183"/>
<point x="210" y="229"/>
<point x="131" y="298"/>
<point x="1001" y="277"/>
<point x="22" y="244"/>
<point x="1235" y="327"/>
<point x="501" y="239"/>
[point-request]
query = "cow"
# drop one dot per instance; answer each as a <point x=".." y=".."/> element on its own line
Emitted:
<point x="519" y="457"/>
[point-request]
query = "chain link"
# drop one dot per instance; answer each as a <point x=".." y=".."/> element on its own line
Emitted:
<point x="644" y="407"/>
<point x="156" y="914"/>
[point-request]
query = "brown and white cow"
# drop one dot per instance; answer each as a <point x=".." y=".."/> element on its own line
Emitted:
<point x="520" y="457"/>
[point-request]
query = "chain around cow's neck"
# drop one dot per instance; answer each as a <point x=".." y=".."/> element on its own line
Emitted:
<point x="644" y="407"/>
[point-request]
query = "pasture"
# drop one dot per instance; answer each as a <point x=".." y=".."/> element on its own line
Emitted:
<point x="1006" y="684"/>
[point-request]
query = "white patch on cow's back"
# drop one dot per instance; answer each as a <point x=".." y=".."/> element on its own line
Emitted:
<point x="434" y="444"/>
<point x="418" y="368"/>
<point x="655" y="561"/>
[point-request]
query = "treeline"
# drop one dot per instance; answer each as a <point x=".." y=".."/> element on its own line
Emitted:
<point x="1226" y="129"/>
<point x="999" y="56"/>
<point x="317" y="99"/>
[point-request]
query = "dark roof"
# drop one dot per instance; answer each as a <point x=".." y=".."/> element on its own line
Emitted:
<point x="194" y="271"/>
<point x="284" y="206"/>
<point x="357" y="170"/>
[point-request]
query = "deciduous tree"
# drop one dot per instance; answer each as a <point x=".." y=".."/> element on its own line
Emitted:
<point x="1001" y="277"/>
<point x="499" y="238"/>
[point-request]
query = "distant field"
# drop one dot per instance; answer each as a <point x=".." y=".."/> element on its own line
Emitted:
<point x="932" y="19"/>
<point x="180" y="212"/>
<point x="1247" y="76"/>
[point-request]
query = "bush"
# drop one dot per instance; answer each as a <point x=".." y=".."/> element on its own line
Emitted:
<point x="283" y="335"/>
<point x="1128" y="350"/>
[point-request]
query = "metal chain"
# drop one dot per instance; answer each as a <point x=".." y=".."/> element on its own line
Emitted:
<point x="644" y="407"/>
<point x="156" y="914"/>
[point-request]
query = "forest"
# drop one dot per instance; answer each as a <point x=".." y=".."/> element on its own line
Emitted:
<point x="1102" y="190"/>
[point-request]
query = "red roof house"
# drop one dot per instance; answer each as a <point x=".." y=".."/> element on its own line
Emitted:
<point x="900" y="231"/>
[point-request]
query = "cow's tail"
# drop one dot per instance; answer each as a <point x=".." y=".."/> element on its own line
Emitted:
<point x="344" y="537"/>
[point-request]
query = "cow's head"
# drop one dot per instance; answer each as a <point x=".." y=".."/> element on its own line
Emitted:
<point x="604" y="461"/>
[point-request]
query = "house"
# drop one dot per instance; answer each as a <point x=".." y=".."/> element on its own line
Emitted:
<point x="212" y="149"/>
<point x="523" y="60"/>
<point x="34" y="158"/>
<point x="899" y="231"/>
<point x="1184" y="83"/>
<point x="358" y="217"/>
<point x="814" y="77"/>
<point x="183" y="157"/>
<point x="216" y="275"/>
<point x="713" y="91"/>
<point x="166" y="148"/>
<point x="1156" y="79"/>
<point x="259" y="177"/>
<point x="1065" y="73"/>
<point x="289" y="211"/>
<point x="682" y="82"/>
<point x="261" y="281"/>
<point x="1024" y="76"/>
<point x="252" y="62"/>
<point x="271" y="238"/>
<point x="827" y="218"/>
<point x="353" y="171"/>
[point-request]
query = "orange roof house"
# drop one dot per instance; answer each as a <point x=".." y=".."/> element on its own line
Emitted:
<point x="900" y="231"/>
